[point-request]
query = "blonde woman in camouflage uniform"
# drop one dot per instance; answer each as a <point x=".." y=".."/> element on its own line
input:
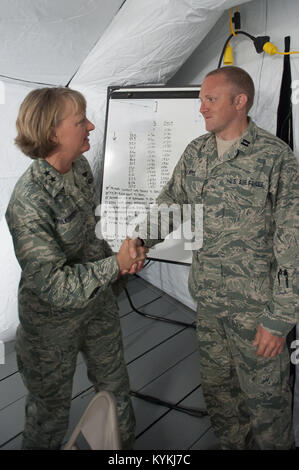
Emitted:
<point x="245" y="277"/>
<point x="66" y="293"/>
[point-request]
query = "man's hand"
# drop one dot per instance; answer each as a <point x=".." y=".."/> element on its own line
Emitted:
<point x="129" y="264"/>
<point x="134" y="244"/>
<point x="267" y="344"/>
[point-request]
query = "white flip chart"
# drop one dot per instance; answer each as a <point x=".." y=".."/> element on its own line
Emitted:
<point x="147" y="130"/>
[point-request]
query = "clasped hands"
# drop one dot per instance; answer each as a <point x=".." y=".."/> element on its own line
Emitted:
<point x="131" y="256"/>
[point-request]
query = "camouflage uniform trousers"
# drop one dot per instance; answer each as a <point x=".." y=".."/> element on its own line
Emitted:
<point x="248" y="397"/>
<point x="47" y="365"/>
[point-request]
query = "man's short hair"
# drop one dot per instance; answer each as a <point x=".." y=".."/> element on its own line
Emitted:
<point x="239" y="79"/>
<point x="40" y="113"/>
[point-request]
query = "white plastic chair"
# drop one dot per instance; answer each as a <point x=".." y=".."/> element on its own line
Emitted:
<point x="98" y="427"/>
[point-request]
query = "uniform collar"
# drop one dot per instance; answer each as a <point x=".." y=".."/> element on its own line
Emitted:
<point x="48" y="176"/>
<point x="82" y="177"/>
<point x="248" y="137"/>
<point x="53" y="181"/>
<point x="245" y="144"/>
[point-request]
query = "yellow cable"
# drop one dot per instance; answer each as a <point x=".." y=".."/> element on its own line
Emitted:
<point x="287" y="53"/>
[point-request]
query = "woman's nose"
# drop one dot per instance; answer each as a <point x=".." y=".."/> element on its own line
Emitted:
<point x="90" y="125"/>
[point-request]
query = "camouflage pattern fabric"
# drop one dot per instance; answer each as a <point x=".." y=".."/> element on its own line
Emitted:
<point x="66" y="301"/>
<point x="248" y="397"/>
<point x="250" y="200"/>
<point x="248" y="263"/>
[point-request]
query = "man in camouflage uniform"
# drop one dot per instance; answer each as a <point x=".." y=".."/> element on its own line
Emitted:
<point x="66" y="298"/>
<point x="245" y="277"/>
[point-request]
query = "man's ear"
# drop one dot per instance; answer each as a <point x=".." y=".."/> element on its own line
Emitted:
<point x="240" y="101"/>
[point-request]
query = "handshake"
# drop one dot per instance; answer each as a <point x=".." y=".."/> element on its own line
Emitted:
<point x="131" y="256"/>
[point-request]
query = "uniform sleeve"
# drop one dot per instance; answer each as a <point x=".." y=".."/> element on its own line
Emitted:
<point x="97" y="247"/>
<point x="283" y="311"/>
<point x="166" y="215"/>
<point x="47" y="273"/>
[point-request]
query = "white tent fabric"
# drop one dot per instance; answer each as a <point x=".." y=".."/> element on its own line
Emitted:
<point x="46" y="41"/>
<point x="147" y="42"/>
<point x="10" y="272"/>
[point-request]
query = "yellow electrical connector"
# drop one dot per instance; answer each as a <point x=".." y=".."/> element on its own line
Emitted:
<point x="228" y="58"/>
<point x="271" y="49"/>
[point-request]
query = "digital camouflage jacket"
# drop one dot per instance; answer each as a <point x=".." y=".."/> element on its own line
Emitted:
<point x="65" y="268"/>
<point x="250" y="198"/>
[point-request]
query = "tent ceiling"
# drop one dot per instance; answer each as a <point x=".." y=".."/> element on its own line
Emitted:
<point x="65" y="31"/>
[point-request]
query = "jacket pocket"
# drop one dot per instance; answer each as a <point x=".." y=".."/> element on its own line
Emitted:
<point x="245" y="200"/>
<point x="70" y="228"/>
<point x="285" y="286"/>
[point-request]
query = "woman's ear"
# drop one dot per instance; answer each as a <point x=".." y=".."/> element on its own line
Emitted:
<point x="53" y="137"/>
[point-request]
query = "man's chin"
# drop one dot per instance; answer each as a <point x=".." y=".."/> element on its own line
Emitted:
<point x="209" y="126"/>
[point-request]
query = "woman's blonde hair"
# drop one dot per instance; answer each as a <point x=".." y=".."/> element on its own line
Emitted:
<point x="39" y="114"/>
